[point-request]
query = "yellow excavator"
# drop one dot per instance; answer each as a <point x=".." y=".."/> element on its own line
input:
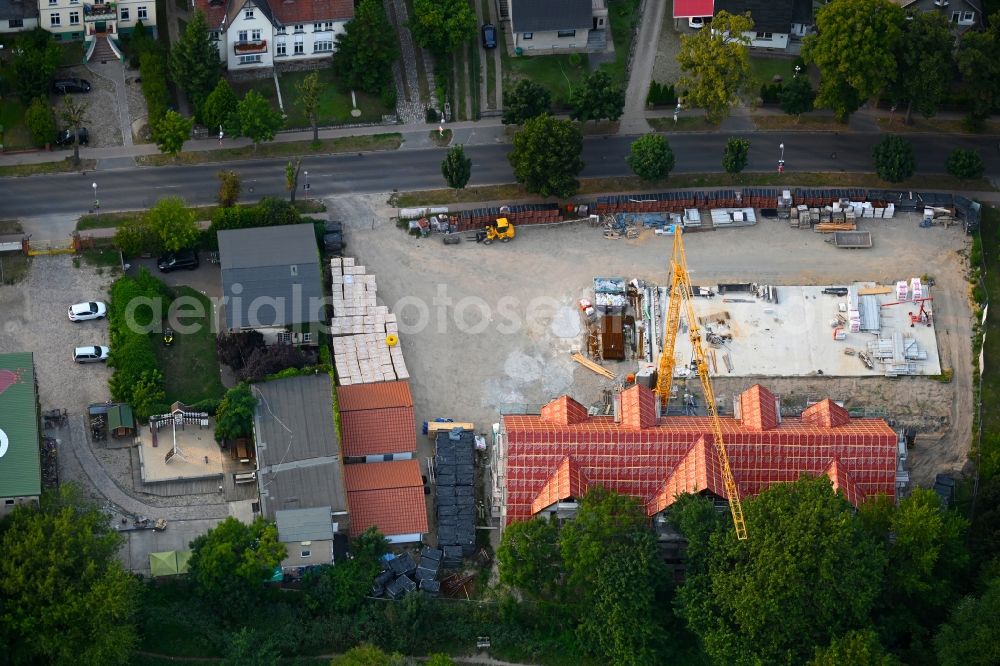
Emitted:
<point x="681" y="292"/>
<point x="500" y="229"/>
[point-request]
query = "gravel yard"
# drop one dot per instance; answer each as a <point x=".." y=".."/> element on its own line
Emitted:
<point x="665" y="68"/>
<point x="102" y="107"/>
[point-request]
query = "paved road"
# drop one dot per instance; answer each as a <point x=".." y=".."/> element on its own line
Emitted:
<point x="130" y="189"/>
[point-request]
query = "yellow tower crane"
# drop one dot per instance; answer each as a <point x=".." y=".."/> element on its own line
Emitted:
<point x="680" y="290"/>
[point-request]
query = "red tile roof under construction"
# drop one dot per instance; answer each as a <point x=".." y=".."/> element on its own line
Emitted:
<point x="376" y="419"/>
<point x="559" y="454"/>
<point x="388" y="495"/>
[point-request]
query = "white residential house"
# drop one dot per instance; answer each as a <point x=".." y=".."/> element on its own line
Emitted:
<point x="75" y="19"/>
<point x="18" y="15"/>
<point x="263" y="33"/>
<point x="543" y="27"/>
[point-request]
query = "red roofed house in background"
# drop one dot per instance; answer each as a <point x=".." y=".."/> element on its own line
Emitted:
<point x="376" y="422"/>
<point x="263" y="33"/>
<point x="543" y="463"/>
<point x="685" y="9"/>
<point x="389" y="496"/>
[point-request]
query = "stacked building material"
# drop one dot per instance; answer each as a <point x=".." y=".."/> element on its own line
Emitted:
<point x="361" y="329"/>
<point x="454" y="470"/>
<point x="522" y="214"/>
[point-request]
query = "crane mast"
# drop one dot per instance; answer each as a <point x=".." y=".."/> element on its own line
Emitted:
<point x="680" y="290"/>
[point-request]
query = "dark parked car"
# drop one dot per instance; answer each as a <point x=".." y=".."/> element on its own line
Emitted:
<point x="67" y="138"/>
<point x="175" y="261"/>
<point x="63" y="86"/>
<point x="333" y="243"/>
<point x="489" y="36"/>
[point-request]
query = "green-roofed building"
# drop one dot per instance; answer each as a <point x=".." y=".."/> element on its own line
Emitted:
<point x="20" y="462"/>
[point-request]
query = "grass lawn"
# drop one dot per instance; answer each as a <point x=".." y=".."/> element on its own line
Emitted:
<point x="990" y="233"/>
<point x="347" y="144"/>
<point x="15" y="135"/>
<point x="762" y="70"/>
<point x="683" y="124"/>
<point x="73" y="53"/>
<point x="191" y="365"/>
<point x="934" y="125"/>
<point x="201" y="214"/>
<point x="802" y="123"/>
<point x="622" y="15"/>
<point x="13" y="268"/>
<point x="334" y="102"/>
<point x="62" y="166"/>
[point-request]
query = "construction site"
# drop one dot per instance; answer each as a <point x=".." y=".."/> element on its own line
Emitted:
<point x="562" y="317"/>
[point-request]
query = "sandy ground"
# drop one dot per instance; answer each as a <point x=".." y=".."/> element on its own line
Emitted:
<point x="489" y="329"/>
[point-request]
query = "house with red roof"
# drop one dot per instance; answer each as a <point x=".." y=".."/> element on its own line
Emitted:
<point x="543" y="463"/>
<point x="263" y="33"/>
<point x="389" y="496"/>
<point x="377" y="422"/>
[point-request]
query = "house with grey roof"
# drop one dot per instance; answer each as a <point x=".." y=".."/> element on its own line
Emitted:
<point x="543" y="27"/>
<point x="271" y="282"/>
<point x="299" y="465"/>
<point x="961" y="14"/>
<point x="18" y="15"/>
<point x="777" y="23"/>
<point x="20" y="458"/>
<point x="308" y="535"/>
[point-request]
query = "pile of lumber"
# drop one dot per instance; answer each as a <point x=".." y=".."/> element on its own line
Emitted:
<point x="830" y="227"/>
<point x="590" y="365"/>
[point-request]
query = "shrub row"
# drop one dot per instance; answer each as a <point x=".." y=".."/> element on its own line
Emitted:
<point x="661" y="94"/>
<point x="153" y="70"/>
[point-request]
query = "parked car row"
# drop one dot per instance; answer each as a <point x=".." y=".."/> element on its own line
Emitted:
<point x="86" y="312"/>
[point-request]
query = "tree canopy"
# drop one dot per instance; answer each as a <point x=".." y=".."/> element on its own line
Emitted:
<point x="894" y="160"/>
<point x="855" y="49"/>
<point x="964" y="164"/>
<point x="797" y="96"/>
<point x="857" y="648"/>
<point x="173" y="223"/>
<point x="456" y="168"/>
<point x="234" y="418"/>
<point x="40" y="121"/>
<point x="310" y="90"/>
<point x="546" y="156"/>
<point x="979" y="63"/>
<point x="74" y="114"/>
<point x="716" y="64"/>
<point x="441" y="26"/>
<point x="735" y="154"/>
<point x="194" y="62"/>
<point x="523" y="100"/>
<point x="599" y="97"/>
<point x="64" y="596"/>
<point x="219" y="109"/>
<point x="529" y="557"/>
<point x="257" y="120"/>
<point x="366" y="49"/>
<point x="808" y="574"/>
<point x="650" y="157"/>
<point x="342" y="588"/>
<point x="171" y="131"/>
<point x="35" y="65"/>
<point x="923" y="63"/>
<point x="969" y="637"/>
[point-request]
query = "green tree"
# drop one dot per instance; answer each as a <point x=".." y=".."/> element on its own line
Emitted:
<point x="153" y="72"/>
<point x="978" y="60"/>
<point x="524" y="100"/>
<point x="74" y="114"/>
<point x="135" y="236"/>
<point x="219" y="109"/>
<point x="366" y="49"/>
<point x="234" y="418"/>
<point x="368" y="655"/>
<point x="809" y="573"/>
<point x="310" y="90"/>
<point x="857" y="648"/>
<point x="893" y="157"/>
<point x="855" y="50"/>
<point x="599" y="97"/>
<point x="34" y="64"/>
<point x="439" y="659"/>
<point x="964" y="164"/>
<point x="441" y="26"/>
<point x="292" y="177"/>
<point x="40" y="122"/>
<point x="456" y="167"/>
<point x="528" y="557"/>
<point x="64" y="596"/>
<point x="969" y="637"/>
<point x="546" y="156"/>
<point x="650" y="157"/>
<point x="342" y="588"/>
<point x="797" y="96"/>
<point x="230" y="562"/>
<point x="148" y="394"/>
<point x="194" y="62"/>
<point x="171" y="131"/>
<point x="247" y="647"/>
<point x="229" y="188"/>
<point x="173" y="223"/>
<point x="924" y="63"/>
<point x="716" y="64"/>
<point x="735" y="155"/>
<point x="257" y="120"/>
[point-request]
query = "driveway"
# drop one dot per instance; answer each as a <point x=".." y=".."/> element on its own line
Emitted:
<point x="207" y="278"/>
<point x="634" y="117"/>
<point x="102" y="117"/>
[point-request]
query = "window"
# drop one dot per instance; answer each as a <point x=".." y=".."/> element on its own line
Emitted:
<point x="566" y="33"/>
<point x="306" y="553"/>
<point x="323" y="46"/>
<point x="764" y="36"/>
<point x="249" y="59"/>
<point x="74" y="18"/>
<point x="8" y="502"/>
<point x="284" y="338"/>
<point x="328" y="26"/>
<point x="317" y="27"/>
<point x="300" y="28"/>
<point x="280" y="30"/>
<point x="969" y="17"/>
<point x="255" y="35"/>
<point x="279" y="47"/>
<point x="527" y="35"/>
<point x="124" y="13"/>
<point x="248" y="14"/>
<point x="242" y="35"/>
<point x="74" y="2"/>
<point x="55" y="20"/>
<point x="307" y="338"/>
<point x="15" y="23"/>
<point x="214" y="35"/>
<point x="53" y="2"/>
<point x="293" y="270"/>
<point x="141" y="14"/>
<point x="300" y="48"/>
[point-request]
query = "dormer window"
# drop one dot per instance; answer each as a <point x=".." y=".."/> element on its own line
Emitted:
<point x="248" y="14"/>
<point x="294" y="270"/>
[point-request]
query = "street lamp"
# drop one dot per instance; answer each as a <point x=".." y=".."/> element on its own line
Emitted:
<point x="97" y="204"/>
<point x="306" y="186"/>
<point x="677" y="111"/>
<point x="781" y="159"/>
<point x="798" y="68"/>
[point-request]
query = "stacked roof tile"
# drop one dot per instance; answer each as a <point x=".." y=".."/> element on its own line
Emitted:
<point x="376" y="419"/>
<point x="557" y="455"/>
<point x="454" y="469"/>
<point x="386" y="495"/>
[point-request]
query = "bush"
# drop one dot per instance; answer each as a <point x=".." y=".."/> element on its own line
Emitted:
<point x="269" y="212"/>
<point x="388" y="97"/>
<point x="153" y="70"/>
<point x="735" y="155"/>
<point x="133" y="314"/>
<point x="661" y="94"/>
<point x="893" y="158"/>
<point x="964" y="164"/>
<point x="209" y="405"/>
<point x="770" y="93"/>
<point x="40" y="122"/>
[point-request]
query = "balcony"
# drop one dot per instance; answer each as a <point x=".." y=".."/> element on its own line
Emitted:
<point x="246" y="48"/>
<point x="102" y="12"/>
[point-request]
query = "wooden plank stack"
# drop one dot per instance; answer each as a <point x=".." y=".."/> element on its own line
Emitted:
<point x="360" y="328"/>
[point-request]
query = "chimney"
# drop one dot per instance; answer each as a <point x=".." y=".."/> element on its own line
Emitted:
<point x="638" y="408"/>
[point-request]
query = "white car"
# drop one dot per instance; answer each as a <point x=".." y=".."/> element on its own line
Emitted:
<point x="699" y="22"/>
<point x="91" y="354"/>
<point x="85" y="311"/>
